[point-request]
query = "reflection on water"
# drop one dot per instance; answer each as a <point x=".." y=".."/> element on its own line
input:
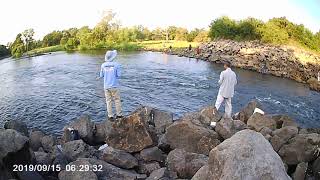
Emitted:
<point x="49" y="91"/>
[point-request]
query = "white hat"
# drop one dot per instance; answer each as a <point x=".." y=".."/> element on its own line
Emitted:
<point x="110" y="55"/>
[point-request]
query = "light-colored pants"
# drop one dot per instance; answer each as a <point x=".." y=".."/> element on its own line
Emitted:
<point x="113" y="94"/>
<point x="228" y="106"/>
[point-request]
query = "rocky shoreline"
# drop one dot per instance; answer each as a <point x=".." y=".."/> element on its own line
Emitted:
<point x="148" y="144"/>
<point x="268" y="59"/>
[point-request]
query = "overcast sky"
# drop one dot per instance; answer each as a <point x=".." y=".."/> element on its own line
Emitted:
<point x="45" y="16"/>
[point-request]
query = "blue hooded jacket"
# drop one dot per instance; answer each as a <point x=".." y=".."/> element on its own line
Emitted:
<point x="110" y="71"/>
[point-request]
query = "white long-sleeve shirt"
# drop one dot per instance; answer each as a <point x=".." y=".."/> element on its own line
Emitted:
<point x="227" y="81"/>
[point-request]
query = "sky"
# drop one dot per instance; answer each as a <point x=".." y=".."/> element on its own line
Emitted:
<point x="45" y="16"/>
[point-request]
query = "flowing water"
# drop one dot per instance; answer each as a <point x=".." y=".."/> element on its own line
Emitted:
<point x="49" y="91"/>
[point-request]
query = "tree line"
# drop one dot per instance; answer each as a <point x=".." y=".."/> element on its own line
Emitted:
<point x="277" y="31"/>
<point x="108" y="33"/>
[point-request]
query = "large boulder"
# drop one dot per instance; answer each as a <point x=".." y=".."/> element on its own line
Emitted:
<point x="108" y="171"/>
<point x="204" y="117"/>
<point x="283" y="121"/>
<point x="35" y="139"/>
<point x="100" y="132"/>
<point x="191" y="137"/>
<point x="300" y="172"/>
<point x="48" y="142"/>
<point x="148" y="167"/>
<point x="202" y="173"/>
<point x="282" y="135"/>
<point x="246" y="155"/>
<point x="77" y="174"/>
<point x="162" y="174"/>
<point x="184" y="163"/>
<point x="119" y="158"/>
<point x="153" y="154"/>
<point x="160" y="119"/>
<point x="84" y="126"/>
<point x="248" y="110"/>
<point x="43" y="158"/>
<point x="300" y="148"/>
<point x="316" y="168"/>
<point x="257" y="121"/>
<point x="314" y="84"/>
<point x="78" y="149"/>
<point x="14" y="149"/>
<point x="130" y="133"/>
<point x="227" y="127"/>
<point x="19" y="126"/>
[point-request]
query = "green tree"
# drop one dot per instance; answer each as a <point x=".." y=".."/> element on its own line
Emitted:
<point x="203" y="36"/>
<point x="28" y="38"/>
<point x="52" y="38"/>
<point x="223" y="27"/>
<point x="17" y="47"/>
<point x="181" y="34"/>
<point x="248" y="29"/>
<point x="271" y="33"/>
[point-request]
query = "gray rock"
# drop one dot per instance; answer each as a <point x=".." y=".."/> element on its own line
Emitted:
<point x="282" y="135"/>
<point x="203" y="118"/>
<point x="316" y="168"/>
<point x="35" y="139"/>
<point x="77" y="149"/>
<point x="110" y="171"/>
<point x="11" y="141"/>
<point x="202" y="173"/>
<point x="257" y="121"/>
<point x="246" y="155"/>
<point x="42" y="158"/>
<point x="76" y="174"/>
<point x="100" y="132"/>
<point x="19" y="126"/>
<point x="227" y="127"/>
<point x="130" y="133"/>
<point x="283" y="121"/>
<point x="26" y="175"/>
<point x="148" y="168"/>
<point x="191" y="137"/>
<point x="184" y="163"/>
<point x="153" y="154"/>
<point x="14" y="149"/>
<point x="300" y="172"/>
<point x="300" y="148"/>
<point x="161" y="120"/>
<point x="84" y="126"/>
<point x="162" y="174"/>
<point x="48" y="142"/>
<point x="248" y="110"/>
<point x="119" y="158"/>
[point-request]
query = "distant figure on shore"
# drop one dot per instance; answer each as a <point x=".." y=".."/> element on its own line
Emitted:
<point x="170" y="48"/>
<point x="227" y="82"/>
<point x="319" y="76"/>
<point x="110" y="72"/>
<point x="190" y="47"/>
<point x="198" y="50"/>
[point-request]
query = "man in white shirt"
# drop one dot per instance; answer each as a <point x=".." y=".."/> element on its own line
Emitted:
<point x="227" y="81"/>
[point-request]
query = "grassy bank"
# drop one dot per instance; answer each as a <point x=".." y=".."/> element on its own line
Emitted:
<point x="131" y="46"/>
<point x="119" y="47"/>
<point x="45" y="50"/>
<point x="162" y="45"/>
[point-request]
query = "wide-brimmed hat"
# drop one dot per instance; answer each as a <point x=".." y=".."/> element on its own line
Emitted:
<point x="110" y="55"/>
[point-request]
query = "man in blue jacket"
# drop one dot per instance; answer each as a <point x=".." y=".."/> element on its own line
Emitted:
<point x="110" y="72"/>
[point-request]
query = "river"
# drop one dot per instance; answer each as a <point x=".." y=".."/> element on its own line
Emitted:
<point x="49" y="91"/>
